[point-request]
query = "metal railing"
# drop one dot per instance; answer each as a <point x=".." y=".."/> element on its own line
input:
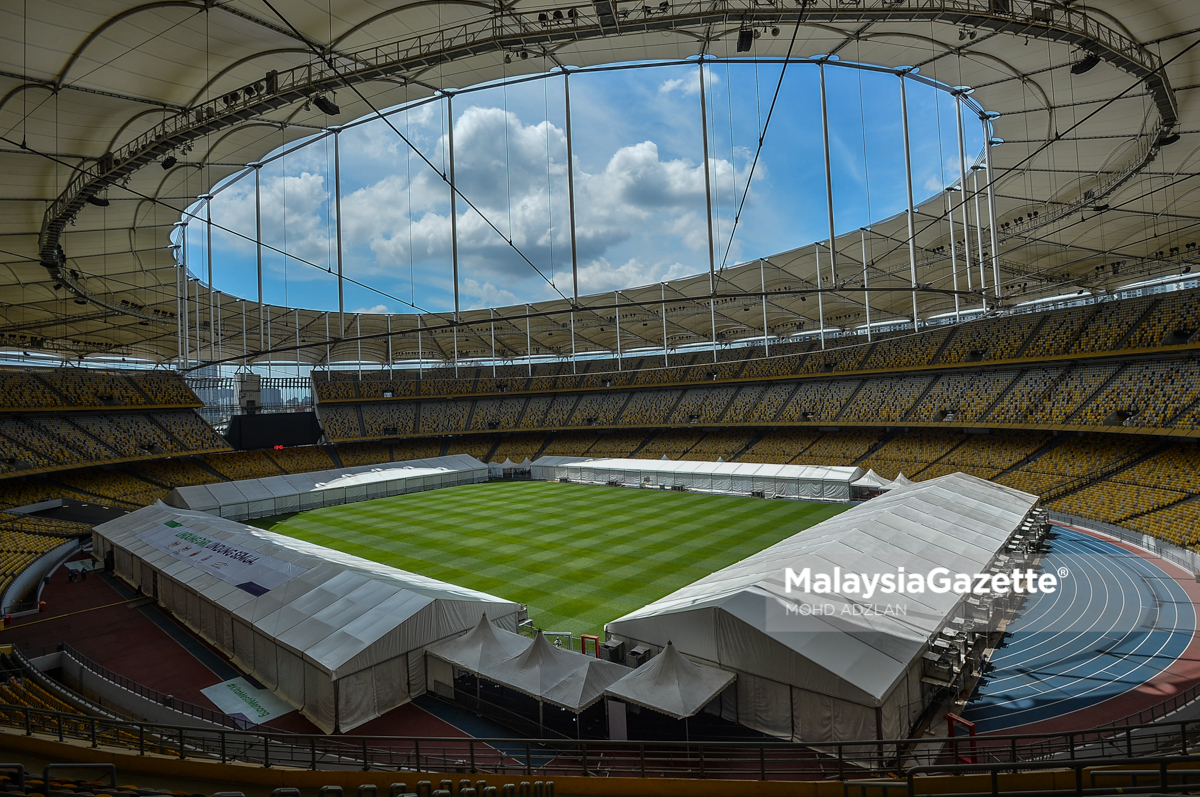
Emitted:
<point x="751" y="760"/>
<point x="1160" y="774"/>
<point x="1182" y="557"/>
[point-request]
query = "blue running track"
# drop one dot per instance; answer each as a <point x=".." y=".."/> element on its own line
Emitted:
<point x="1116" y="622"/>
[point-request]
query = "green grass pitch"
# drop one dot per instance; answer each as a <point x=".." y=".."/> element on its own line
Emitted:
<point x="577" y="555"/>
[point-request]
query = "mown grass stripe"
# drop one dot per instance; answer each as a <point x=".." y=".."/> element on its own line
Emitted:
<point x="578" y="555"/>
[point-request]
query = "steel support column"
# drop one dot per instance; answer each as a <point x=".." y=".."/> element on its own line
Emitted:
<point x="912" y="234"/>
<point x="453" y="220"/>
<point x="708" y="215"/>
<point x="966" y="218"/>
<point x="991" y="202"/>
<point x="258" y="248"/>
<point x="862" y="234"/>
<point x="828" y="181"/>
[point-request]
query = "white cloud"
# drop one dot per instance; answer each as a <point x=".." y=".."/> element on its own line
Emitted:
<point x="638" y="197"/>
<point x="601" y="276"/>
<point x="376" y="310"/>
<point x="293" y="220"/>
<point x="476" y="295"/>
<point x="689" y="85"/>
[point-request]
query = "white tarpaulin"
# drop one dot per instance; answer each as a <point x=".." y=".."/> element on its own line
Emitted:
<point x="816" y="667"/>
<point x="275" y="495"/>
<point x="671" y="684"/>
<point x="813" y="482"/>
<point x="336" y="640"/>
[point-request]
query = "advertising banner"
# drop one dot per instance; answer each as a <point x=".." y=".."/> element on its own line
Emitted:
<point x="251" y="571"/>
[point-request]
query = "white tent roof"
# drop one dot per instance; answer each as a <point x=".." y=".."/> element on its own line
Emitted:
<point x="956" y="521"/>
<point x="871" y="480"/>
<point x="341" y="613"/>
<point x="672" y="684"/>
<point x="482" y="647"/>
<point x="900" y="481"/>
<point x="571" y="680"/>
<point x="808" y="472"/>
<point x="209" y="497"/>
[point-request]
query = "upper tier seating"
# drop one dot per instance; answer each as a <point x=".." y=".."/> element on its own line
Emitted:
<point x="22" y="389"/>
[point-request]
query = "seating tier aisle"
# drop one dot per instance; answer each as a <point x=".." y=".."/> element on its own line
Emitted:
<point x="910" y="453"/>
<point x="354" y="454"/>
<point x="302" y="459"/>
<point x="519" y="447"/>
<point x="243" y="465"/>
<point x="722" y="445"/>
<point x="671" y="443"/>
<point x="477" y="446"/>
<point x="1072" y="460"/>
<point x="118" y="487"/>
<point x="783" y="446"/>
<point x="617" y="444"/>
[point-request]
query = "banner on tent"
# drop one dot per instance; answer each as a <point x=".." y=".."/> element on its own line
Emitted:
<point x="248" y="570"/>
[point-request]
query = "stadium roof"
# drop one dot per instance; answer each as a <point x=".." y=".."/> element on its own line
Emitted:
<point x="1090" y="163"/>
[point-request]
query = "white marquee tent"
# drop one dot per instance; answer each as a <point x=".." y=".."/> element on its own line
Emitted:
<point x="275" y="495"/>
<point x="672" y="685"/>
<point x="872" y="481"/>
<point x="814" y="674"/>
<point x="531" y="666"/>
<point x="339" y="637"/>
<point x="819" y="482"/>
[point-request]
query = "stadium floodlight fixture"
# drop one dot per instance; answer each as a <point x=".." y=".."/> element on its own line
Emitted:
<point x="169" y="162"/>
<point x="98" y="201"/>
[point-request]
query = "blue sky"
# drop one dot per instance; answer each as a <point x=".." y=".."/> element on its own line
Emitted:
<point x="639" y="185"/>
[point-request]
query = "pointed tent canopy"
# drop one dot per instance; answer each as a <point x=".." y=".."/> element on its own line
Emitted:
<point x="508" y="463"/>
<point x="482" y="646"/>
<point x="871" y="481"/>
<point x="570" y="680"/>
<point x="525" y="463"/>
<point x="900" y="481"/>
<point x="672" y="684"/>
